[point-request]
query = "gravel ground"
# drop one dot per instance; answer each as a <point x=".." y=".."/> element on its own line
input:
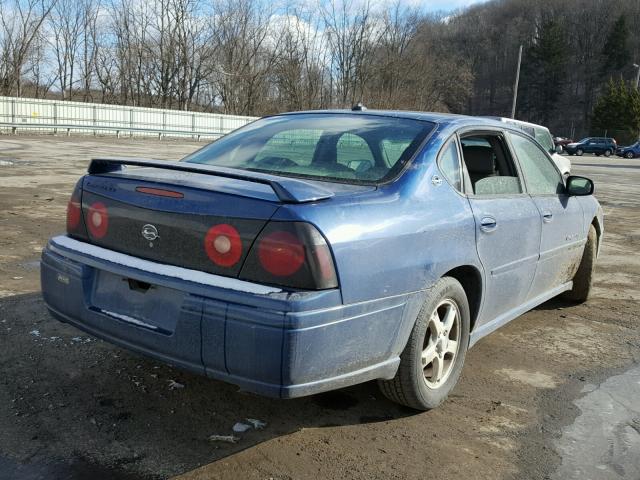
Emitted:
<point x="74" y="407"/>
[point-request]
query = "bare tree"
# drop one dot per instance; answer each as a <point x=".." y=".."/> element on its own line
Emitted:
<point x="65" y="24"/>
<point x="351" y="35"/>
<point x="243" y="55"/>
<point x="21" y="22"/>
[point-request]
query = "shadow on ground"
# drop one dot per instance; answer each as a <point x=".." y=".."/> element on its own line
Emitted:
<point x="80" y="407"/>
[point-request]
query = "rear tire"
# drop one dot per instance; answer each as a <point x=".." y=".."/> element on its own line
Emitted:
<point x="583" y="279"/>
<point x="429" y="369"/>
<point x="579" y="152"/>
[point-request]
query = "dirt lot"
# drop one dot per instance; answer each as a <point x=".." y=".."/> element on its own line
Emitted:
<point x="74" y="407"/>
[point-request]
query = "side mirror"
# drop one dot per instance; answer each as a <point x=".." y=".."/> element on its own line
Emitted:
<point x="558" y="149"/>
<point x="579" y="186"/>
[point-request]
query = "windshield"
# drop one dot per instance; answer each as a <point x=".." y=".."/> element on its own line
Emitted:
<point x="351" y="148"/>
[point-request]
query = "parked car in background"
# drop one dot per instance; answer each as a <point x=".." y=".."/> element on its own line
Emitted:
<point x="310" y="251"/>
<point x="631" y="151"/>
<point x="596" y="145"/>
<point x="544" y="138"/>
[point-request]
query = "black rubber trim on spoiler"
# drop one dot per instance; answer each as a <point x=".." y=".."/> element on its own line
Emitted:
<point x="288" y="190"/>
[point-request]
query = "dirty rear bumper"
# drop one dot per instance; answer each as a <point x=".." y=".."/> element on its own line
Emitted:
<point x="280" y="344"/>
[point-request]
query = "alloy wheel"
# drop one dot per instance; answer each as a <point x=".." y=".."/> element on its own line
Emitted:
<point x="441" y="343"/>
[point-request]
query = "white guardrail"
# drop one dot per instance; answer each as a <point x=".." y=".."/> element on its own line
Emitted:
<point x="56" y="116"/>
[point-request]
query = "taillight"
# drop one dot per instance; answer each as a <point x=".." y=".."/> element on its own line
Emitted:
<point x="74" y="213"/>
<point x="291" y="254"/>
<point x="223" y="245"/>
<point x="75" y="226"/>
<point x="281" y="253"/>
<point x="97" y="219"/>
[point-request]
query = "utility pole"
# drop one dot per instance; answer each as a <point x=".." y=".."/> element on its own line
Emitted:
<point x="515" y="87"/>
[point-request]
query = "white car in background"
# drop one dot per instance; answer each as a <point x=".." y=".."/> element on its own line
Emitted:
<point x="544" y="138"/>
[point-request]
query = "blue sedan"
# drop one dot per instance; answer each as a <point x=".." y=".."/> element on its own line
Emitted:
<point x="631" y="151"/>
<point x="309" y="251"/>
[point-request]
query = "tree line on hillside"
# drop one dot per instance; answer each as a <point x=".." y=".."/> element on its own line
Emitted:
<point x="255" y="57"/>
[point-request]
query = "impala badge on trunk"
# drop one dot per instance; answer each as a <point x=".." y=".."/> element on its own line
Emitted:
<point x="150" y="233"/>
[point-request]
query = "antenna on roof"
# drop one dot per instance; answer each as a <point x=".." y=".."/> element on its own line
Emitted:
<point x="358" y="107"/>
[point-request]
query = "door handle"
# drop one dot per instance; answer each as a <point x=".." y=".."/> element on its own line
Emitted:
<point x="547" y="217"/>
<point x="488" y="224"/>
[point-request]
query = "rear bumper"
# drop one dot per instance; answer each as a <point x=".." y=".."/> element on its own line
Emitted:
<point x="277" y="344"/>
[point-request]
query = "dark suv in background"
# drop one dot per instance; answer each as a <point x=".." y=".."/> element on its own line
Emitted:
<point x="598" y="145"/>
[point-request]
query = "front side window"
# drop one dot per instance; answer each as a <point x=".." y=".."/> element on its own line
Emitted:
<point x="540" y="174"/>
<point x="449" y="164"/>
<point x="348" y="148"/>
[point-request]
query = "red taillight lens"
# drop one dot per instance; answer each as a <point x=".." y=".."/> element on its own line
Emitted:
<point x="74" y="214"/>
<point x="97" y="220"/>
<point x="281" y="253"/>
<point x="223" y="245"/>
<point x="291" y="254"/>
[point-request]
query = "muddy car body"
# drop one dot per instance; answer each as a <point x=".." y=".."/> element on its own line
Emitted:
<point x="310" y="251"/>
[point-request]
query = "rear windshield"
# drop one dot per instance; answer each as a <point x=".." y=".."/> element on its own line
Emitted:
<point x="331" y="147"/>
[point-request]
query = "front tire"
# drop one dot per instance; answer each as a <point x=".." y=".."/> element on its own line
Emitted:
<point x="607" y="153"/>
<point x="579" y="152"/>
<point x="583" y="279"/>
<point x="432" y="360"/>
<point x="629" y="154"/>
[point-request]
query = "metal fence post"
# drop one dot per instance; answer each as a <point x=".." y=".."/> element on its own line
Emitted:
<point x="95" y="120"/>
<point x="131" y="123"/>
<point x="55" y="118"/>
<point x="193" y="124"/>
<point x="13" y="115"/>
<point x="221" y="125"/>
<point x="164" y="124"/>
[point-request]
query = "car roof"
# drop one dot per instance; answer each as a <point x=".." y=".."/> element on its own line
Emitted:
<point x="434" y="117"/>
<point x="514" y="121"/>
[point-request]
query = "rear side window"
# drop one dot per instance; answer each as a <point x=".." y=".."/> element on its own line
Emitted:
<point x="348" y="148"/>
<point x="449" y="163"/>
<point x="539" y="172"/>
<point x="489" y="165"/>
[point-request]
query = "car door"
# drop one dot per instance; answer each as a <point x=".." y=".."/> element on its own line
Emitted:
<point x="561" y="217"/>
<point x="589" y="146"/>
<point x="507" y="223"/>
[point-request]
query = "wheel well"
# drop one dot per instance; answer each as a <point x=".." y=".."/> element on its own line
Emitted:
<point x="471" y="281"/>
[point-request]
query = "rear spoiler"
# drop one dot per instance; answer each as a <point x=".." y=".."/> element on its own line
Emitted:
<point x="288" y="190"/>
